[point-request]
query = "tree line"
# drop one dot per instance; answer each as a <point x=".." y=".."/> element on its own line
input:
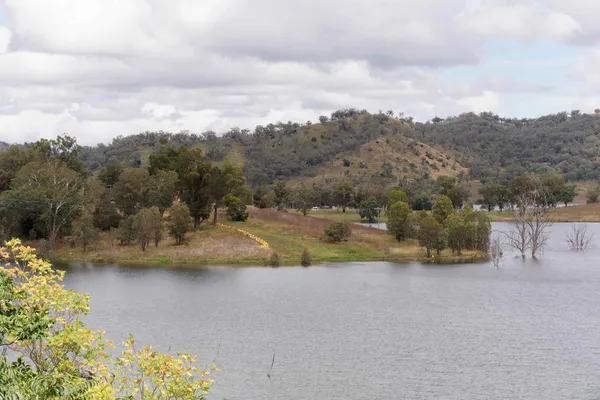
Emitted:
<point x="47" y="192"/>
<point x="556" y="191"/>
<point x="492" y="147"/>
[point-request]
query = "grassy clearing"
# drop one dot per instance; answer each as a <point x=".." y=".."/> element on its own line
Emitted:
<point x="206" y="246"/>
<point x="287" y="233"/>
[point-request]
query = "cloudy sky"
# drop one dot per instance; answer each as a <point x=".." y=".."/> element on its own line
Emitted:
<point x="101" y="68"/>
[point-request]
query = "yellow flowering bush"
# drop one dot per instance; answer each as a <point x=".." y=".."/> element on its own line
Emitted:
<point x="262" y="242"/>
<point x="52" y="355"/>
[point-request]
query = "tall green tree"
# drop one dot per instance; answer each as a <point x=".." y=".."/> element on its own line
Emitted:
<point x="368" y="209"/>
<point x="147" y="224"/>
<point x="64" y="149"/>
<point x="52" y="192"/>
<point x="223" y="181"/>
<point x="450" y="187"/>
<point x="442" y="208"/>
<point x="567" y="193"/>
<point x="460" y="234"/>
<point x="281" y="194"/>
<point x="11" y="161"/>
<point x="131" y="191"/>
<point x="162" y="190"/>
<point x="395" y="196"/>
<point x="85" y="231"/>
<point x="305" y="199"/>
<point x="179" y="222"/>
<point x="398" y="220"/>
<point x="431" y="234"/>
<point x="489" y="195"/>
<point x="193" y="178"/>
<point x="343" y="193"/>
<point x="110" y="174"/>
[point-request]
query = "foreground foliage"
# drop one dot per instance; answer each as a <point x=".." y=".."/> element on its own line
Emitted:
<point x="49" y="353"/>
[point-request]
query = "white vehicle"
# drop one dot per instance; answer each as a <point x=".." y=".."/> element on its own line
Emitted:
<point x="315" y="209"/>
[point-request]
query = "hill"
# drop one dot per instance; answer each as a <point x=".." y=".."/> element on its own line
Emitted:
<point x="362" y="146"/>
<point x="352" y="144"/>
<point x="495" y="147"/>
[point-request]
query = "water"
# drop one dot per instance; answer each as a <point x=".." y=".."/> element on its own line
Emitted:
<point x="528" y="330"/>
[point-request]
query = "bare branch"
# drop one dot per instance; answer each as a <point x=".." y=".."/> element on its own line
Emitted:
<point x="271" y="369"/>
<point x="496" y="252"/>
<point x="579" y="239"/>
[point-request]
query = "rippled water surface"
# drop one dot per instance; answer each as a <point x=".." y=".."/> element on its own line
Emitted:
<point x="527" y="330"/>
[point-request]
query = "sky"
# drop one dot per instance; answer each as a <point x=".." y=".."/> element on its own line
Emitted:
<point x="96" y="69"/>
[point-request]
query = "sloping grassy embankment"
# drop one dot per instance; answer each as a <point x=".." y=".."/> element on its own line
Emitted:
<point x="286" y="233"/>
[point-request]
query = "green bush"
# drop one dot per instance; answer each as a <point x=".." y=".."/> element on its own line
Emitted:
<point x="274" y="260"/>
<point x="338" y="231"/>
<point x="236" y="209"/>
<point x="306" y="258"/>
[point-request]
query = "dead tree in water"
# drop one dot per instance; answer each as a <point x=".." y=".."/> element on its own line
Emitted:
<point x="519" y="237"/>
<point x="496" y="252"/>
<point x="530" y="227"/>
<point x="578" y="239"/>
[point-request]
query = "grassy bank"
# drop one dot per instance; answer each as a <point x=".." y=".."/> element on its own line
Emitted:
<point x="582" y="213"/>
<point x="351" y="215"/>
<point x="286" y="233"/>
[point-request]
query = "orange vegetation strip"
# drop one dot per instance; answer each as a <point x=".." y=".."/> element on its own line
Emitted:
<point x="262" y="242"/>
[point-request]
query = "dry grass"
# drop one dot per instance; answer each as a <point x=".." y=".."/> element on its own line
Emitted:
<point x="396" y="150"/>
<point x="209" y="245"/>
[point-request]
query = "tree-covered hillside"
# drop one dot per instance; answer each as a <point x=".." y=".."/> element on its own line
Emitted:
<point x="349" y="143"/>
<point x="359" y="145"/>
<point x="495" y="147"/>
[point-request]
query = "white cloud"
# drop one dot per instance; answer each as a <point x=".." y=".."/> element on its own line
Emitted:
<point x="100" y="68"/>
<point x="5" y="36"/>
<point x="519" y="20"/>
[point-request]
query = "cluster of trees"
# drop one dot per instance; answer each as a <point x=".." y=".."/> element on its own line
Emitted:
<point x="443" y="227"/>
<point x="369" y="200"/>
<point x="46" y="191"/>
<point x="554" y="187"/>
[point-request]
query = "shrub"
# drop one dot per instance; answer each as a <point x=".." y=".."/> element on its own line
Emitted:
<point x="49" y="353"/>
<point x="274" y="260"/>
<point x="338" y="231"/>
<point x="235" y="208"/>
<point x="306" y="258"/>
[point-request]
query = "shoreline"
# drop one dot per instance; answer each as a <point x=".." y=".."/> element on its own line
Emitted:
<point x="467" y="258"/>
<point x="268" y="237"/>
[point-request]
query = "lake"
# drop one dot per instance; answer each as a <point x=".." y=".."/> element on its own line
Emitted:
<point x="526" y="330"/>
